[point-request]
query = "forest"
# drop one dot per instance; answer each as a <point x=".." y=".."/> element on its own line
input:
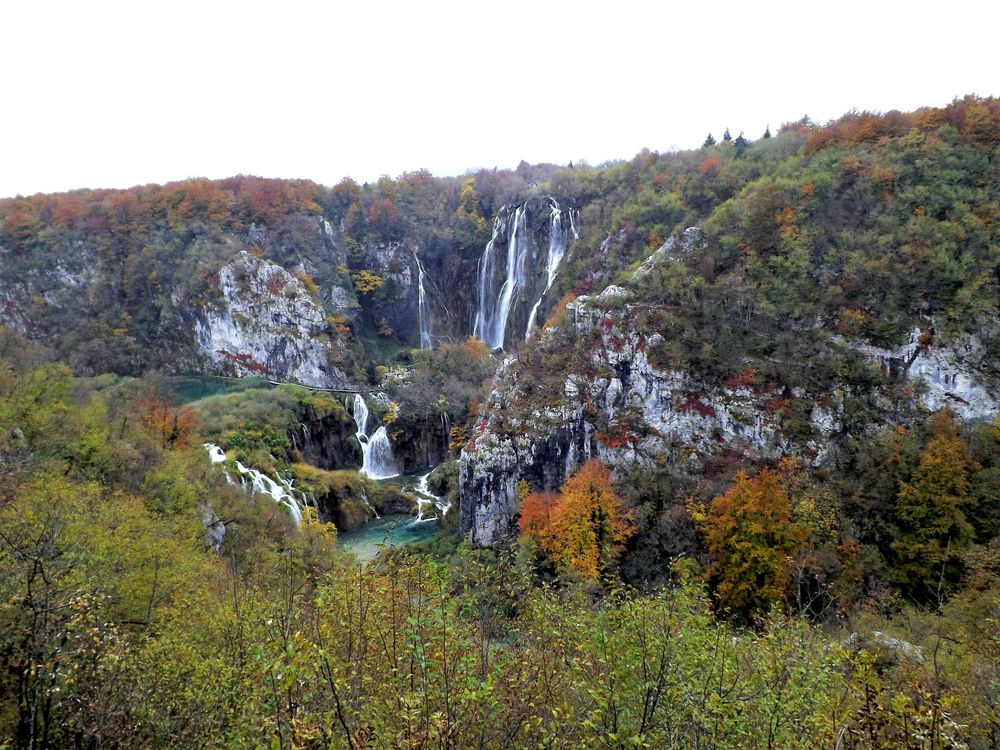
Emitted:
<point x="847" y="597"/>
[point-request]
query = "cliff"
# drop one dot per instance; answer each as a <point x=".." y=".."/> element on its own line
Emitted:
<point x="615" y="401"/>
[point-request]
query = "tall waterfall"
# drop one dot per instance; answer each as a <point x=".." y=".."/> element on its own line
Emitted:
<point x="491" y="320"/>
<point x="422" y="305"/>
<point x="557" y="249"/>
<point x="378" y="462"/>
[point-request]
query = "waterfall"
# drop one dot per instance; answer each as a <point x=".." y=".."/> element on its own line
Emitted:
<point x="283" y="493"/>
<point x="425" y="324"/>
<point x="364" y="499"/>
<point x="557" y="249"/>
<point x="486" y="265"/>
<point x="215" y="454"/>
<point x="378" y="462"/>
<point x="425" y="497"/>
<point x="491" y="320"/>
<point x="572" y="225"/>
<point x="446" y="429"/>
<point x="360" y="413"/>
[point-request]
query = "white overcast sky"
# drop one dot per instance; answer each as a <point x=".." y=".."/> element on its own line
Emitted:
<point x="100" y="94"/>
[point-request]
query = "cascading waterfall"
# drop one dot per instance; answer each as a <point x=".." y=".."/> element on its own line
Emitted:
<point x="378" y="461"/>
<point x="491" y="320"/>
<point x="557" y="249"/>
<point x="283" y="493"/>
<point x="422" y="305"/>
<point x="486" y="265"/>
<point x="425" y="497"/>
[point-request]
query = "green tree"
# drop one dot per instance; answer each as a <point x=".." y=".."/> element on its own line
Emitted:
<point x="933" y="529"/>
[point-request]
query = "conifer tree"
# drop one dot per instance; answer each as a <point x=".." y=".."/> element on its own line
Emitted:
<point x="710" y="141"/>
<point x="741" y="144"/>
<point x="726" y="137"/>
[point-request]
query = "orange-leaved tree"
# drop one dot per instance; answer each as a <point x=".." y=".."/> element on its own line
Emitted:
<point x="584" y="527"/>
<point x="751" y="537"/>
<point x="167" y="426"/>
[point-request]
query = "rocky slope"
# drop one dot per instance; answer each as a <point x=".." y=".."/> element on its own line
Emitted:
<point x="267" y="324"/>
<point x="618" y="404"/>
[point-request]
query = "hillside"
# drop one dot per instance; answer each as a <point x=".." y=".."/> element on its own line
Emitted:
<point x="704" y="448"/>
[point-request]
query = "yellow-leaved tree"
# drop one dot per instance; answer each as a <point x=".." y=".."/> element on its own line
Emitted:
<point x="751" y="538"/>
<point x="584" y="528"/>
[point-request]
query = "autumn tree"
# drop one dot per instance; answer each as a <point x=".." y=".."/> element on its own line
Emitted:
<point x="167" y="426"/>
<point x="585" y="527"/>
<point x="933" y="528"/>
<point x="751" y="537"/>
<point x="366" y="281"/>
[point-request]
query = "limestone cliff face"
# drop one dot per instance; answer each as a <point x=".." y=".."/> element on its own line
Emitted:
<point x="396" y="302"/>
<point x="268" y="324"/>
<point x="624" y="409"/>
<point x="957" y="375"/>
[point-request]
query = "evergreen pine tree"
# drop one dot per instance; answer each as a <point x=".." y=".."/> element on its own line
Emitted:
<point x="726" y="138"/>
<point x="710" y="141"/>
<point x="741" y="144"/>
<point x="767" y="132"/>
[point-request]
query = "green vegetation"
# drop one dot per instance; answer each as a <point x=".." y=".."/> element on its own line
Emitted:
<point x="121" y="628"/>
<point x="851" y="604"/>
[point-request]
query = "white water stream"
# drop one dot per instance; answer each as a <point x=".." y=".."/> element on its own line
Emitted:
<point x="378" y="461"/>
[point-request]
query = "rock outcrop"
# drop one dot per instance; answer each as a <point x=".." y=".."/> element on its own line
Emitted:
<point x="953" y="375"/>
<point x="267" y="324"/>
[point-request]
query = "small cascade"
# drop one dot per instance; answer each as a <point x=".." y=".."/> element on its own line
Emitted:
<point x="364" y="499"/>
<point x="378" y="461"/>
<point x="557" y="249"/>
<point x="283" y="493"/>
<point x="572" y="224"/>
<point x="422" y="307"/>
<point x="425" y="497"/>
<point x="215" y="454"/>
<point x="446" y="430"/>
<point x="491" y="320"/>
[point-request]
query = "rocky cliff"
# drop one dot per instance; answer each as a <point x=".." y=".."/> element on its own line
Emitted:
<point x="618" y="404"/>
<point x="266" y="323"/>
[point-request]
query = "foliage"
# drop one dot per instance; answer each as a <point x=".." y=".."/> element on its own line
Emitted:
<point x="750" y="534"/>
<point x="584" y="528"/>
<point x="119" y="627"/>
<point x="931" y="511"/>
<point x="366" y="282"/>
